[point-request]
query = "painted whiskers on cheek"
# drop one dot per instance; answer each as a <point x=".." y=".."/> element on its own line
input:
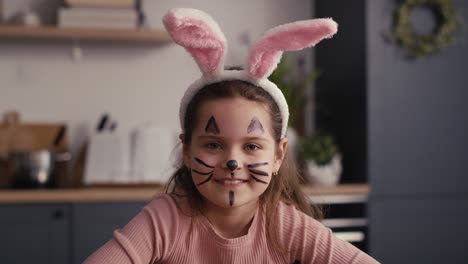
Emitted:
<point x="256" y="172"/>
<point x="210" y="173"/>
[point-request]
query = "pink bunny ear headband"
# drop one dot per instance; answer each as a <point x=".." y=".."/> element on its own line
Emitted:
<point x="201" y="36"/>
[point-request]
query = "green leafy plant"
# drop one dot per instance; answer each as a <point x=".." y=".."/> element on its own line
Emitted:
<point x="292" y="79"/>
<point x="320" y="147"/>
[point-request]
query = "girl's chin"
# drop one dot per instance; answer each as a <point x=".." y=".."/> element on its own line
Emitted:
<point x="227" y="195"/>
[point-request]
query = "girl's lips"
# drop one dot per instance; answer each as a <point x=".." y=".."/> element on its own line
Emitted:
<point x="231" y="182"/>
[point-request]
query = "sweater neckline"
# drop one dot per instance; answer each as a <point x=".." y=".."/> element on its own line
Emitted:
<point x="242" y="240"/>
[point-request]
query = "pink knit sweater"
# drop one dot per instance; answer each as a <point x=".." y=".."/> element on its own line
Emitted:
<point x="161" y="233"/>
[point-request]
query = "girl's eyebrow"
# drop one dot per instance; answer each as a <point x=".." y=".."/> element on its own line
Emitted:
<point x="209" y="136"/>
<point x="246" y="138"/>
<point x="253" y="138"/>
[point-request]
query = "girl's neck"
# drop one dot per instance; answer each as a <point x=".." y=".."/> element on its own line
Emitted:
<point x="231" y="222"/>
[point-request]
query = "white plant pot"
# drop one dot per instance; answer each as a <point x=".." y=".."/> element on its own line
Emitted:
<point x="293" y="141"/>
<point x="328" y="174"/>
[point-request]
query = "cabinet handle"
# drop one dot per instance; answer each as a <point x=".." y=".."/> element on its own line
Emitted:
<point x="58" y="214"/>
<point x="351" y="236"/>
<point x="345" y="222"/>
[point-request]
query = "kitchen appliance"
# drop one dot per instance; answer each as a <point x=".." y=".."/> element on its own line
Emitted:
<point x="346" y="216"/>
<point x="36" y="168"/>
<point x="32" y="155"/>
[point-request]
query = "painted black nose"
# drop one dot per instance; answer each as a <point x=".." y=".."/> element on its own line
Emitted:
<point x="231" y="164"/>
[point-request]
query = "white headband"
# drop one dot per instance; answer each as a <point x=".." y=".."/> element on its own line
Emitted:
<point x="202" y="37"/>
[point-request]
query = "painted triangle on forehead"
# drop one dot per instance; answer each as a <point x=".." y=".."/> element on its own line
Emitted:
<point x="212" y="126"/>
<point x="255" y="126"/>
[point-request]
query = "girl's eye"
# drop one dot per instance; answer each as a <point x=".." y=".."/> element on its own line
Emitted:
<point x="251" y="147"/>
<point x="213" y="145"/>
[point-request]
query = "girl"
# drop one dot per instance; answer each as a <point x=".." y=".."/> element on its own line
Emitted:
<point x="235" y="198"/>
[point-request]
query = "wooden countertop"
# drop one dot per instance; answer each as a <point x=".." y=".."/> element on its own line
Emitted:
<point x="319" y="194"/>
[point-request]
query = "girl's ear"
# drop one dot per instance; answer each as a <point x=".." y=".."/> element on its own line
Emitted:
<point x="280" y="153"/>
<point x="186" y="155"/>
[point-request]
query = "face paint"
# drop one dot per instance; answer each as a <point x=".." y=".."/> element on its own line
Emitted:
<point x="201" y="173"/>
<point x="203" y="163"/>
<point x="257" y="172"/>
<point x="231" y="164"/>
<point x="258" y="180"/>
<point x="255" y="165"/>
<point x="230" y="186"/>
<point x="255" y="126"/>
<point x="205" y="181"/>
<point x="210" y="173"/>
<point x="212" y="127"/>
<point x="231" y="198"/>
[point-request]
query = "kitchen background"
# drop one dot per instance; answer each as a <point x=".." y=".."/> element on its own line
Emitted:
<point x="401" y="124"/>
<point x="136" y="84"/>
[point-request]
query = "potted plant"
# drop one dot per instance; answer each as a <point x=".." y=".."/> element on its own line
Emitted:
<point x="321" y="158"/>
<point x="293" y="80"/>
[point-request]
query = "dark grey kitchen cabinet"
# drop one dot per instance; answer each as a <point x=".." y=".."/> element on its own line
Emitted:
<point x="59" y="233"/>
<point x="34" y="233"/>
<point x="403" y="124"/>
<point x="427" y="230"/>
<point x="418" y="125"/>
<point x="418" y="147"/>
<point x="94" y="223"/>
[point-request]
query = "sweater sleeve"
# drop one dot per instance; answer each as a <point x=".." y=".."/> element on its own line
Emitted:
<point x="149" y="237"/>
<point x="309" y="241"/>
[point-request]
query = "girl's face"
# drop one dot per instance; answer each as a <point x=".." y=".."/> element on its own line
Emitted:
<point x="233" y="153"/>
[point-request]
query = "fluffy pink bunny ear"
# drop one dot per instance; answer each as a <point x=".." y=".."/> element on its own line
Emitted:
<point x="265" y="55"/>
<point x="200" y="35"/>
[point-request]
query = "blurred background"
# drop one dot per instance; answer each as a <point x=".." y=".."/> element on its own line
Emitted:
<point x="89" y="98"/>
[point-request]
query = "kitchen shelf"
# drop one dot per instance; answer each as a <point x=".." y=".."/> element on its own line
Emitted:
<point x="127" y="194"/>
<point x="52" y="33"/>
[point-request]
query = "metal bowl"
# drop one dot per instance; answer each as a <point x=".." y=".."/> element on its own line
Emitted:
<point x="34" y="169"/>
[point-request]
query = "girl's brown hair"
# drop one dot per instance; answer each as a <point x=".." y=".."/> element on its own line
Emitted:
<point x="285" y="186"/>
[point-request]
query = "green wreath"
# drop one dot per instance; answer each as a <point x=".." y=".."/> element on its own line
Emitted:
<point x="419" y="45"/>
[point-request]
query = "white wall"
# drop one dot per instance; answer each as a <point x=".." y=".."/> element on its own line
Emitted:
<point x="135" y="84"/>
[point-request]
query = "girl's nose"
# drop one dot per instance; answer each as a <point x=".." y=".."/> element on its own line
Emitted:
<point x="232" y="164"/>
